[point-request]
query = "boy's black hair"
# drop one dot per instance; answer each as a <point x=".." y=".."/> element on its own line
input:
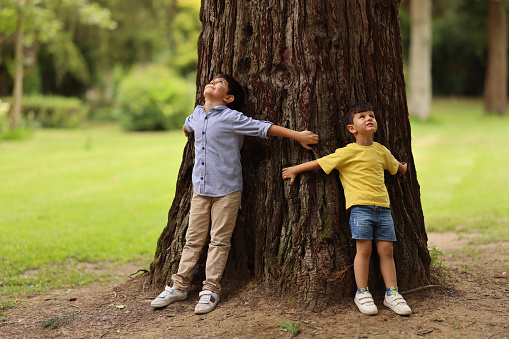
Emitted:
<point x="235" y="89"/>
<point x="357" y="108"/>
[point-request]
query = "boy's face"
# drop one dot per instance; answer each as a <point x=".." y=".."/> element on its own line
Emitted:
<point x="217" y="90"/>
<point x="364" y="123"/>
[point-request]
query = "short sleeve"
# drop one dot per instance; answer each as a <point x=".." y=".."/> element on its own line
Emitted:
<point x="245" y="125"/>
<point x="391" y="163"/>
<point x="329" y="162"/>
<point x="189" y="124"/>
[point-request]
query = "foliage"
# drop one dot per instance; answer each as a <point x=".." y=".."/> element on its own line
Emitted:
<point x="77" y="201"/>
<point x="57" y="322"/>
<point x="54" y="111"/>
<point x="291" y="327"/>
<point x="185" y="28"/>
<point x="24" y="130"/>
<point x="47" y="22"/>
<point x="154" y="98"/>
<point x="460" y="36"/>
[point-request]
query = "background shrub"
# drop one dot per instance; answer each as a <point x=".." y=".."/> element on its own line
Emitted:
<point x="53" y="111"/>
<point x="154" y="98"/>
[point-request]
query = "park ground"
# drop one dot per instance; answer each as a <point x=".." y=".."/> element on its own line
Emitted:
<point x="470" y="300"/>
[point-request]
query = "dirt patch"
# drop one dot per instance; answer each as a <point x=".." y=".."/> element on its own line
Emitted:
<point x="472" y="302"/>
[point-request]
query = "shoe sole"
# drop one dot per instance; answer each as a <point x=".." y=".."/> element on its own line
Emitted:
<point x="170" y="301"/>
<point x="399" y="313"/>
<point x="204" y="311"/>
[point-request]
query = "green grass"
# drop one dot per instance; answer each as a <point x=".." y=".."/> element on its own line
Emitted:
<point x="462" y="161"/>
<point x="73" y="196"/>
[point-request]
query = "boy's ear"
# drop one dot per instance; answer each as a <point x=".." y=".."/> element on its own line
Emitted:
<point x="351" y="129"/>
<point x="229" y="98"/>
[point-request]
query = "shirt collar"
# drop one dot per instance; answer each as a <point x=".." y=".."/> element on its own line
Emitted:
<point x="219" y="108"/>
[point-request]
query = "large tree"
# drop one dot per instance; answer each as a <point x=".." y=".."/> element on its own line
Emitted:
<point x="495" y="84"/>
<point x="303" y="63"/>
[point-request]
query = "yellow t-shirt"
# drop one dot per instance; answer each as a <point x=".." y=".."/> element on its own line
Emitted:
<point x="361" y="170"/>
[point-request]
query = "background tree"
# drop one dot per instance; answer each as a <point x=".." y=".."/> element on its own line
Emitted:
<point x="420" y="59"/>
<point x="495" y="84"/>
<point x="33" y="21"/>
<point x="303" y="64"/>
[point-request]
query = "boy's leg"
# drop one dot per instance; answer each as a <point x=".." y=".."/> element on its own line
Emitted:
<point x="196" y="235"/>
<point x="387" y="266"/>
<point x="363" y="298"/>
<point x="224" y="215"/>
<point x="361" y="224"/>
<point x="361" y="262"/>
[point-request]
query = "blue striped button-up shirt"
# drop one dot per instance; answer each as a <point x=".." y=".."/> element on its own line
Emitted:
<point x="218" y="138"/>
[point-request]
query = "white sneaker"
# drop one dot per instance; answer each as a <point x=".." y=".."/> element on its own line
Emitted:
<point x="396" y="303"/>
<point x="169" y="295"/>
<point x="365" y="303"/>
<point x="208" y="301"/>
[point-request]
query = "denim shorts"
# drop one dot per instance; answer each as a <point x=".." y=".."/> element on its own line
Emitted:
<point x="372" y="223"/>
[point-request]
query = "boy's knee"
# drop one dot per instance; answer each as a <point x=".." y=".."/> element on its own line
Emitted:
<point x="385" y="248"/>
<point x="364" y="248"/>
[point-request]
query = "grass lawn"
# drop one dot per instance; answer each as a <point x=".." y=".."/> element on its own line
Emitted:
<point x="99" y="195"/>
<point x="462" y="163"/>
<point x="92" y="195"/>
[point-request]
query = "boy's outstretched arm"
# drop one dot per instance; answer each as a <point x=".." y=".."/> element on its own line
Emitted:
<point x="402" y="168"/>
<point x="291" y="172"/>
<point x="305" y="138"/>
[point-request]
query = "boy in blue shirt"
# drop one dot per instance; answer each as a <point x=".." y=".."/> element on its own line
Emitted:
<point x="361" y="168"/>
<point x="219" y="129"/>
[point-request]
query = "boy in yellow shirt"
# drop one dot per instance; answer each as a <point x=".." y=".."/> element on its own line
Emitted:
<point x="361" y="168"/>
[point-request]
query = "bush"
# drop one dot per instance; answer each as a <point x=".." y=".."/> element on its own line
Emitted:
<point x="24" y="130"/>
<point x="154" y="98"/>
<point x="53" y="111"/>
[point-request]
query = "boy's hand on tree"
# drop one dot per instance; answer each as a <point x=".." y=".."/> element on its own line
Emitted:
<point x="402" y="168"/>
<point x="185" y="130"/>
<point x="307" y="138"/>
<point x="288" y="173"/>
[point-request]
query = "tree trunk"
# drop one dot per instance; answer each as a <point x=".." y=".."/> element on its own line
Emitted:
<point x="303" y="63"/>
<point x="420" y="58"/>
<point x="18" y="77"/>
<point x="495" y="84"/>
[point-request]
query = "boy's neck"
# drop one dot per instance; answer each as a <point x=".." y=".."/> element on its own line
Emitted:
<point x="364" y="140"/>
<point x="212" y="103"/>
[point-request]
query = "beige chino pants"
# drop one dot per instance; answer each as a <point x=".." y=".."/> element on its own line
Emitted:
<point x="220" y="214"/>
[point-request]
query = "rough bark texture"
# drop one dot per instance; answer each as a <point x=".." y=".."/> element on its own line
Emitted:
<point x="419" y="101"/>
<point x="495" y="84"/>
<point x="303" y="63"/>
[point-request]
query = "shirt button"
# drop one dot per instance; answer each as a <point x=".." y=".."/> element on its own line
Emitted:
<point x="201" y="178"/>
<point x="203" y="163"/>
<point x="202" y="132"/>
<point x="203" y="148"/>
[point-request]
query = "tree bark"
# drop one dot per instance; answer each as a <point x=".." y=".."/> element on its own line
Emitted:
<point x="420" y="58"/>
<point x="303" y="63"/>
<point x="18" y="65"/>
<point x="495" y="84"/>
